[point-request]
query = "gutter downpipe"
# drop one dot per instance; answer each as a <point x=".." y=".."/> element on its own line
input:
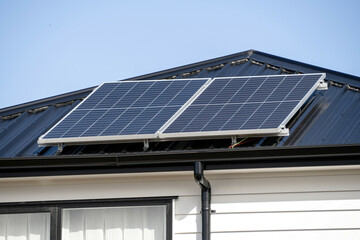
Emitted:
<point x="205" y="199"/>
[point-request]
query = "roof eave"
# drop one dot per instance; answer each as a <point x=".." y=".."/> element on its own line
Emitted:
<point x="270" y="157"/>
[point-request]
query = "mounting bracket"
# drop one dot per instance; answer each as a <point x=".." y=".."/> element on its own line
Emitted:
<point x="233" y="139"/>
<point x="284" y="132"/>
<point x="60" y="147"/>
<point x="322" y="85"/>
<point x="146" y="144"/>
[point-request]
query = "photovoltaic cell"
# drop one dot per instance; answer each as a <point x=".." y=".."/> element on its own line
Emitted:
<point x="126" y="108"/>
<point x="245" y="103"/>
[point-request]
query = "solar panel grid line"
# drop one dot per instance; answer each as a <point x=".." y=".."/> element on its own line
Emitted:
<point x="124" y="111"/>
<point x="204" y="107"/>
<point x="214" y="97"/>
<point x="233" y="95"/>
<point x="90" y="96"/>
<point x="160" y="107"/>
<point x="255" y="110"/>
<point x="265" y="101"/>
<point x="127" y="111"/>
<point x="271" y="99"/>
<point x="106" y="110"/>
<point x="185" y="106"/>
<point x="92" y="110"/>
<point x="245" y="103"/>
<point x="52" y="128"/>
<point x="200" y="111"/>
<point x="279" y="104"/>
<point x="206" y="80"/>
<point x="319" y="82"/>
<point x="224" y="105"/>
<point x="159" y="111"/>
<point x="85" y="101"/>
<point x="154" y="101"/>
<point x="229" y="104"/>
<point x="113" y="90"/>
<point x="169" y="101"/>
<point x="109" y="93"/>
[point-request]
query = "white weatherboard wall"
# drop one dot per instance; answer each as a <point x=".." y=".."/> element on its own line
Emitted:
<point x="317" y="204"/>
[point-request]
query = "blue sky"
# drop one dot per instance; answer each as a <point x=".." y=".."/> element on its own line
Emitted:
<point x="53" y="47"/>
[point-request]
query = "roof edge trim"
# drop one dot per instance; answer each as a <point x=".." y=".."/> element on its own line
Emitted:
<point x="46" y="101"/>
<point x="306" y="65"/>
<point x="245" y="54"/>
<point x="217" y="155"/>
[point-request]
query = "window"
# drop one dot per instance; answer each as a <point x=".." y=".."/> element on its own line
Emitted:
<point x="109" y="219"/>
<point x="25" y="226"/>
<point x="114" y="223"/>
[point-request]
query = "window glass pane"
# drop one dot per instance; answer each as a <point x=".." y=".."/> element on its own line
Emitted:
<point x="25" y="226"/>
<point x="119" y="223"/>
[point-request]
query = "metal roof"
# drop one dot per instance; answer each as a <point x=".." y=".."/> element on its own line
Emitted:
<point x="328" y="117"/>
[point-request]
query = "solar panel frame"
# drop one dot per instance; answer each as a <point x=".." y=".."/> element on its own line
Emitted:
<point x="281" y="130"/>
<point x="42" y="141"/>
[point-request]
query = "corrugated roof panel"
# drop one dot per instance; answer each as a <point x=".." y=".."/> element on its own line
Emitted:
<point x="313" y="109"/>
<point x="329" y="119"/>
<point x="18" y="137"/>
<point x="344" y="115"/>
<point x="335" y="123"/>
<point x="353" y="136"/>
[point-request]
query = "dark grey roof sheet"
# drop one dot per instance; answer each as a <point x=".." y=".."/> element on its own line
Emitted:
<point x="328" y="117"/>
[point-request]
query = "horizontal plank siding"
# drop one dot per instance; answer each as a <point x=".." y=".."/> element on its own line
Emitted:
<point x="277" y="205"/>
<point x="272" y="203"/>
<point x="278" y="221"/>
<point x="279" y="235"/>
<point x="272" y="207"/>
<point x="98" y="187"/>
<point x="286" y="184"/>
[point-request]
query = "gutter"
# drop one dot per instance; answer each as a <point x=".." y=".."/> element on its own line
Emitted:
<point x="218" y="159"/>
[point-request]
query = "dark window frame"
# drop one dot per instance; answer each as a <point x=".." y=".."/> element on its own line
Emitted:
<point x="55" y="209"/>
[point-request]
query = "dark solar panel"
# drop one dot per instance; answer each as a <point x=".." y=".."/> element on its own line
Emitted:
<point x="244" y="103"/>
<point x="125" y="108"/>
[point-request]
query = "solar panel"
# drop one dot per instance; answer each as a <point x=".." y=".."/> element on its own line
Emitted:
<point x="185" y="108"/>
<point x="128" y="110"/>
<point x="257" y="105"/>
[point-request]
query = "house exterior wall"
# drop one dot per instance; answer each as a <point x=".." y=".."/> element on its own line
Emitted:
<point x="249" y="204"/>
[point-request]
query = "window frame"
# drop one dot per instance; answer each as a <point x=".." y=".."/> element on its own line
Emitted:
<point x="55" y="209"/>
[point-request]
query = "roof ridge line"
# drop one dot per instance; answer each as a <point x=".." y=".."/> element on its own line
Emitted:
<point x="192" y="65"/>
